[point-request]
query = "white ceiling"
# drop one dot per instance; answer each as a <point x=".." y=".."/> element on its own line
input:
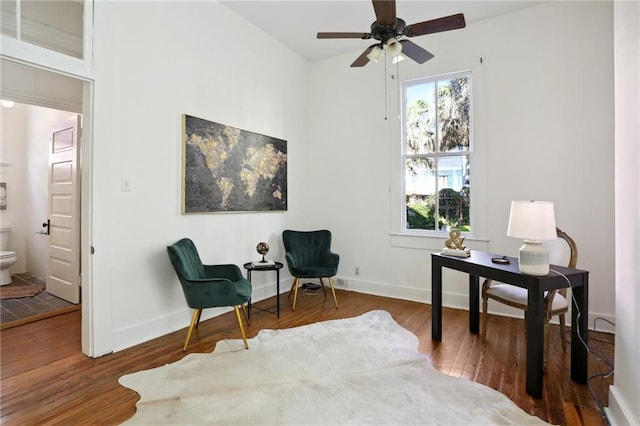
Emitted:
<point x="296" y="22"/>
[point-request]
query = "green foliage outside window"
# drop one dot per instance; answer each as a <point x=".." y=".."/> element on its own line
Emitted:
<point x="454" y="211"/>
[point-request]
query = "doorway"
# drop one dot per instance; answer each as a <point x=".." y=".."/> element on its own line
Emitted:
<point x="27" y="133"/>
<point x="44" y="97"/>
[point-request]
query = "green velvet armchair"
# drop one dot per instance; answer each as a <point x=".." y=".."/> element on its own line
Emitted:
<point x="208" y="286"/>
<point x="308" y="255"/>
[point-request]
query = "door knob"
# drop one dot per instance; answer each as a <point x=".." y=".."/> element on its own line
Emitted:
<point x="46" y="226"/>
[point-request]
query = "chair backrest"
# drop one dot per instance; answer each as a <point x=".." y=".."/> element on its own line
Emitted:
<point x="307" y="247"/>
<point x="185" y="260"/>
<point x="563" y="251"/>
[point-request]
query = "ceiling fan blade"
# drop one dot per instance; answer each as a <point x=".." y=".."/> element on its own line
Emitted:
<point x="415" y="52"/>
<point x="362" y="59"/>
<point x="446" y="23"/>
<point x="344" y="35"/>
<point x="385" y="11"/>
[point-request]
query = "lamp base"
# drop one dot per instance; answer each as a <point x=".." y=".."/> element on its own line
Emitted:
<point x="533" y="258"/>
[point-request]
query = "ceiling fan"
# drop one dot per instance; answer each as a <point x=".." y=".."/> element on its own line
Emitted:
<point x="388" y="29"/>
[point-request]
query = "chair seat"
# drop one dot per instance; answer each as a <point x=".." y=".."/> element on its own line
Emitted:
<point x="515" y="294"/>
<point x="313" y="271"/>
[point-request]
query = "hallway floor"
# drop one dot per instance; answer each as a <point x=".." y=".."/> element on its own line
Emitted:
<point x="23" y="310"/>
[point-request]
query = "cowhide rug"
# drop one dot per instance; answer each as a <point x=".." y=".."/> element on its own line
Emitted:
<point x="357" y="371"/>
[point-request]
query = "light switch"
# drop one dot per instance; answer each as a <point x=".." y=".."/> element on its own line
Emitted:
<point x="125" y="183"/>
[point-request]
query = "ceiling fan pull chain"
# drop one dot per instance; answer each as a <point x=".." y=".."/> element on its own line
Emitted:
<point x="398" y="89"/>
<point x="386" y="103"/>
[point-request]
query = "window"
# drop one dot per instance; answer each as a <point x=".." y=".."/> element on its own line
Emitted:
<point x="437" y="142"/>
<point x="54" y="25"/>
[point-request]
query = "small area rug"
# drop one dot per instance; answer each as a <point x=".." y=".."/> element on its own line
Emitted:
<point x="16" y="291"/>
<point x="364" y="370"/>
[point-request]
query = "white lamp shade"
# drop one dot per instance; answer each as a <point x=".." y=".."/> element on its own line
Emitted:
<point x="394" y="47"/>
<point x="532" y="220"/>
<point x="375" y="54"/>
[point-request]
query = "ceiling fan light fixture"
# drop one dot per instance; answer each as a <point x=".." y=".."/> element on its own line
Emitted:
<point x="399" y="57"/>
<point x="394" y="47"/>
<point x="375" y="54"/>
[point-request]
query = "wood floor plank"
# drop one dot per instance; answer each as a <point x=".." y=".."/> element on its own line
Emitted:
<point x="44" y="378"/>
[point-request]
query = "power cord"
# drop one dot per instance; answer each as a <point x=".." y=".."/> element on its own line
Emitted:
<point x="599" y="355"/>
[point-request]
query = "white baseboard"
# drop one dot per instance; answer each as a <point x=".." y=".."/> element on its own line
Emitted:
<point x="147" y="330"/>
<point x="457" y="300"/>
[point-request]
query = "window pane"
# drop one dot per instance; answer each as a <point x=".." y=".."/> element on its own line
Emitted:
<point x="420" y="119"/>
<point x="8" y="9"/>
<point x="454" y="114"/>
<point x="420" y="188"/>
<point x="453" y="192"/>
<point x="54" y="25"/>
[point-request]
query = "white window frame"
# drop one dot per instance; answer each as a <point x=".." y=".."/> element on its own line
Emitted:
<point x="434" y="240"/>
<point x="436" y="155"/>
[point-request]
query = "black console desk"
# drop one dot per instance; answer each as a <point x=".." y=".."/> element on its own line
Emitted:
<point x="479" y="265"/>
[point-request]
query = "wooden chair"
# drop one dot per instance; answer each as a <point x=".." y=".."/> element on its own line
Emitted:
<point x="562" y="251"/>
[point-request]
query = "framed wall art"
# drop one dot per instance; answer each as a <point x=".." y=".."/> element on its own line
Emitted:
<point x="225" y="169"/>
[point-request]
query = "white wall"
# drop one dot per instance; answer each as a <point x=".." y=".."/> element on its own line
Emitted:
<point x="549" y="134"/>
<point x="625" y="393"/>
<point x="339" y="165"/>
<point x="155" y="61"/>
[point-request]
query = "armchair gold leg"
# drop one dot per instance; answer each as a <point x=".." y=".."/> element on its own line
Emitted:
<point x="324" y="290"/>
<point x="244" y="337"/>
<point x="194" y="320"/>
<point x="333" y="290"/>
<point x="244" y="312"/>
<point x="296" y="283"/>
<point x="198" y="319"/>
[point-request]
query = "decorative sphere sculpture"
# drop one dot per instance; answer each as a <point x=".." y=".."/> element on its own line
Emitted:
<point x="262" y="248"/>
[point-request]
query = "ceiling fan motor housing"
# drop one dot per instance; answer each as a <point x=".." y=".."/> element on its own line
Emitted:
<point x="385" y="32"/>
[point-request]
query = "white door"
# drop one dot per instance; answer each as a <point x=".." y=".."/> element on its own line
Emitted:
<point x="63" y="264"/>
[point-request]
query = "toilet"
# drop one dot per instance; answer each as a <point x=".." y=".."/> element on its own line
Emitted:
<point x="7" y="257"/>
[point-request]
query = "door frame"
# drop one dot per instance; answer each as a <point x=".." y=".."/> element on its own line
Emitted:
<point x="92" y="345"/>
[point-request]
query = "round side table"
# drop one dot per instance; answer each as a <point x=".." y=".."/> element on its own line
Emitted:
<point x="250" y="267"/>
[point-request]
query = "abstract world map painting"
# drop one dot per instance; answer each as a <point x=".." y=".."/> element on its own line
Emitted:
<point x="226" y="169"/>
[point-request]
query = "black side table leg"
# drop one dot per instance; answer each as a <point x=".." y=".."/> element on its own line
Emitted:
<point x="249" y="302"/>
<point x="278" y="291"/>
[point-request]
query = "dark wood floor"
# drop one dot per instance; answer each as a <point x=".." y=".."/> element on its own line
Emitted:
<point x="46" y="380"/>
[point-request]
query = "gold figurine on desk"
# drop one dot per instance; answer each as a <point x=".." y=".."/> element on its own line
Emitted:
<point x="454" y="246"/>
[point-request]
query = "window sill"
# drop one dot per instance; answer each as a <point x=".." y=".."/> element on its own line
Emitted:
<point x="434" y="242"/>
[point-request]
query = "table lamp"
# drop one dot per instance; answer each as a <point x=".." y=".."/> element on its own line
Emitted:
<point x="533" y="221"/>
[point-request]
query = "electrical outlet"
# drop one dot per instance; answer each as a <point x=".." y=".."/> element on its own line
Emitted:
<point x="125" y="183"/>
<point x="342" y="282"/>
<point x="357" y="271"/>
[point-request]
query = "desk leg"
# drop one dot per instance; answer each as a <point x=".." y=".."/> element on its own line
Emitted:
<point x="278" y="291"/>
<point x="474" y="304"/>
<point x="436" y="300"/>
<point x="579" y="325"/>
<point x="535" y="340"/>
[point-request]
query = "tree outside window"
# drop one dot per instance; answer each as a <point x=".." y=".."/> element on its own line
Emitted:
<point x="436" y="152"/>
